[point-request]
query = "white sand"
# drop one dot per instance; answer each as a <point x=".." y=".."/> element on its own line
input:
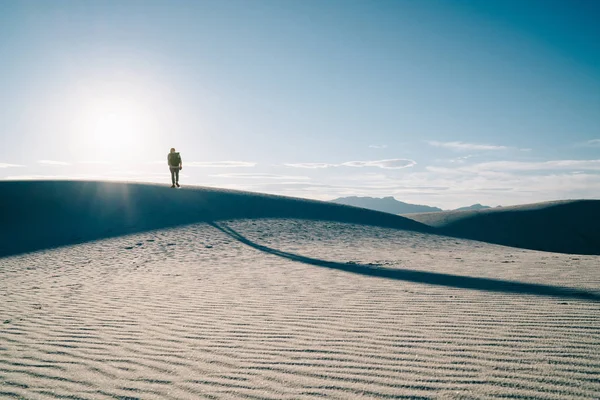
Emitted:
<point x="191" y="312"/>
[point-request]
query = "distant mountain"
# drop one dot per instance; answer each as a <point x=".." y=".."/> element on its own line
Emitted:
<point x="393" y="206"/>
<point x="473" y="207"/>
<point x="386" y="204"/>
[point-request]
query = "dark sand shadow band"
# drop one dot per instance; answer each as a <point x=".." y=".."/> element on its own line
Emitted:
<point x="430" y="278"/>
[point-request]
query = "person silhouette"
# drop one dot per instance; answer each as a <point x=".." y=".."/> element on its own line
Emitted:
<point x="175" y="165"/>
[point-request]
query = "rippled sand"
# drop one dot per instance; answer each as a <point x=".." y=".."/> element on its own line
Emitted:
<point x="195" y="312"/>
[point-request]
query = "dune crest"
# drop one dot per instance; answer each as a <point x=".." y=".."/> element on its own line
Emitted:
<point x="45" y="214"/>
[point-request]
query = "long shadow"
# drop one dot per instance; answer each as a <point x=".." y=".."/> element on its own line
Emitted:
<point x="47" y="214"/>
<point x="431" y="278"/>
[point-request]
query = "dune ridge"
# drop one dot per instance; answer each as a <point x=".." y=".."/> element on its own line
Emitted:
<point x="44" y="214"/>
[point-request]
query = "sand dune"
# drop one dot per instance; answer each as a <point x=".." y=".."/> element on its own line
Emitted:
<point x="45" y="214"/>
<point x="561" y="226"/>
<point x="299" y="301"/>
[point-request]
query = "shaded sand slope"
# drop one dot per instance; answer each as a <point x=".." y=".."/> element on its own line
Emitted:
<point x="563" y="226"/>
<point x="296" y="309"/>
<point x="42" y="214"/>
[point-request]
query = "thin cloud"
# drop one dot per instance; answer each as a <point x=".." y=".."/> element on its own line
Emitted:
<point x="594" y="142"/>
<point x="537" y="166"/>
<point x="590" y="143"/>
<point x="78" y="177"/>
<point x="462" y="146"/>
<point x="5" y="165"/>
<point x="52" y="162"/>
<point x="41" y="177"/>
<point x="378" y="146"/>
<point x="311" y="165"/>
<point x="506" y="168"/>
<point x="461" y="160"/>
<point x="96" y="162"/>
<point x="261" y="176"/>
<point x="221" y="164"/>
<point x="451" y="187"/>
<point x="396" y="163"/>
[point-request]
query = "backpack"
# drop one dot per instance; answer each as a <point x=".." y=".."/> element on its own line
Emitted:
<point x="174" y="159"/>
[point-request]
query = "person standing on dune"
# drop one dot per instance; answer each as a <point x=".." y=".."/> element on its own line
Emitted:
<point x="175" y="165"/>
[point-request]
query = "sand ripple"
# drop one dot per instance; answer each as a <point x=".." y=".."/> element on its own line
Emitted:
<point x="193" y="313"/>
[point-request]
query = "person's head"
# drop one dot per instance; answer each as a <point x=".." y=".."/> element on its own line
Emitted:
<point x="172" y="149"/>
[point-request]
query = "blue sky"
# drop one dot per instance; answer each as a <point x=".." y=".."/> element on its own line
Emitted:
<point x="445" y="103"/>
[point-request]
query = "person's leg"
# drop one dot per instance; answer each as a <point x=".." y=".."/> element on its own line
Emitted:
<point x="172" y="175"/>
<point x="177" y="176"/>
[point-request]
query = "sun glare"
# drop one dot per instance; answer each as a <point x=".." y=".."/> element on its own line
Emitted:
<point x="113" y="130"/>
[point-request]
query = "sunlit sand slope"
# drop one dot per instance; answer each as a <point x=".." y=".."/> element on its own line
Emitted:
<point x="297" y="309"/>
<point x="42" y="214"/>
<point x="562" y="226"/>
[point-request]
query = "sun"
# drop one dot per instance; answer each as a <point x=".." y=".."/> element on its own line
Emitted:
<point x="112" y="129"/>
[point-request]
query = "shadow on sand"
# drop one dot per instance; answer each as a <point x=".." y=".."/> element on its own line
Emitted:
<point x="569" y="226"/>
<point x="431" y="278"/>
<point x="37" y="215"/>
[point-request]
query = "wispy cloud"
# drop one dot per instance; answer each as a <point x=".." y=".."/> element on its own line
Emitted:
<point x="396" y="163"/>
<point x="41" y="177"/>
<point x="454" y="185"/>
<point x="221" y="164"/>
<point x="590" y="143"/>
<point x="462" y="146"/>
<point x="5" y="165"/>
<point x="378" y="146"/>
<point x="52" y="162"/>
<point x="499" y="169"/>
<point x="87" y="177"/>
<point x="594" y="142"/>
<point x="97" y="162"/>
<point x="461" y="160"/>
<point x="537" y="166"/>
<point x="311" y="165"/>
<point x="261" y="176"/>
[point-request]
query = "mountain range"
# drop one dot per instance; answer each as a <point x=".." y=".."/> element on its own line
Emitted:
<point x="393" y="206"/>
